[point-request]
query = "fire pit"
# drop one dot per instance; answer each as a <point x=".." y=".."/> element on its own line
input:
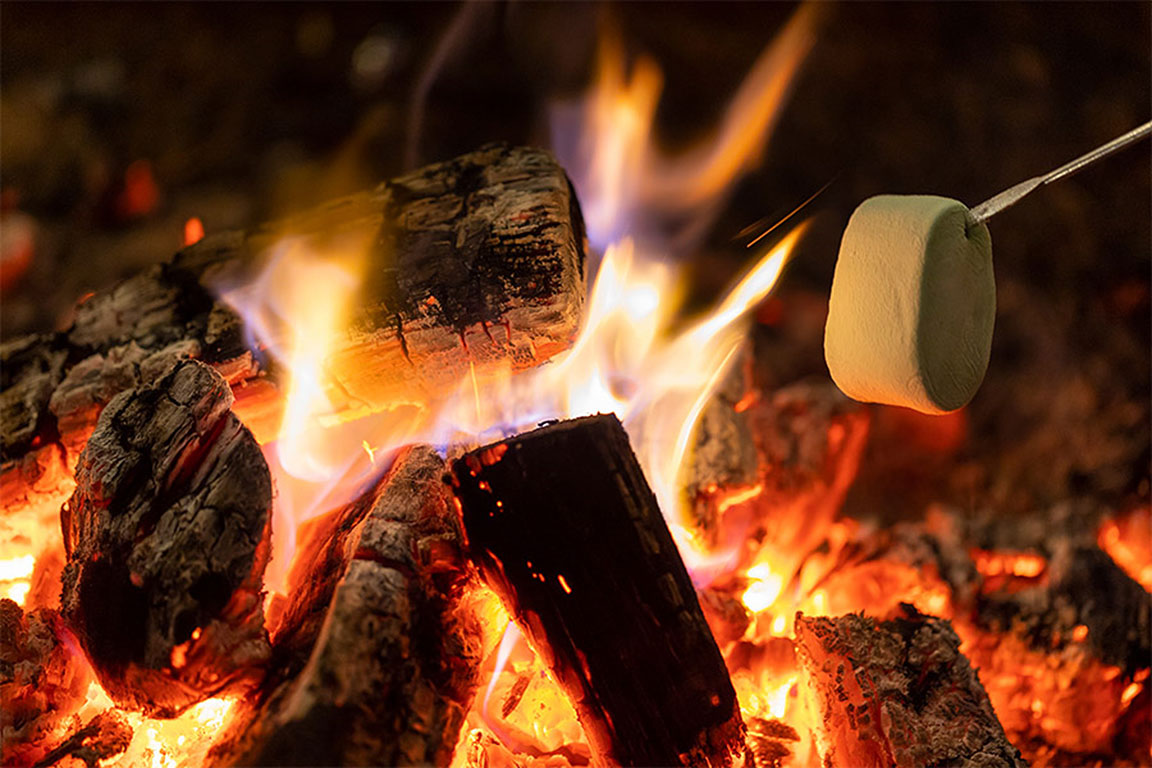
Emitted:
<point x="466" y="469"/>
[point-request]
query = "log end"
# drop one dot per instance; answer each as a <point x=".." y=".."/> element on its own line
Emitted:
<point x="167" y="535"/>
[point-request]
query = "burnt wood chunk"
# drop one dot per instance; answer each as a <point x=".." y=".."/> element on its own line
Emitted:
<point x="167" y="535"/>
<point x="395" y="646"/>
<point x="569" y="535"/>
<point x="898" y="693"/>
<point x="472" y="263"/>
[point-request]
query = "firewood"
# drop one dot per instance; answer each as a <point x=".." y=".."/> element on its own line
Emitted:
<point x="569" y="535"/>
<point x="166" y="536"/>
<point x="1066" y="636"/>
<point x="474" y="263"/>
<point x="42" y="683"/>
<point x="779" y="462"/>
<point x="395" y="646"/>
<point x="898" y="693"/>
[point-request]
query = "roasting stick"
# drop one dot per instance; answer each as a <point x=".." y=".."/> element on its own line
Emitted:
<point x="1013" y="195"/>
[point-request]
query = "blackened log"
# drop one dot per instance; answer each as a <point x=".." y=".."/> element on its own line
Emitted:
<point x="569" y="535"/>
<point x="395" y="647"/>
<point x="167" y="536"/>
<point x="898" y="693"/>
<point x="43" y="683"/>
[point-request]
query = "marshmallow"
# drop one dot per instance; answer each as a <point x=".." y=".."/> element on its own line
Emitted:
<point x="913" y="304"/>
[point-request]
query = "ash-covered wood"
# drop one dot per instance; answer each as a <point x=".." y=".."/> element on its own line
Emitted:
<point x="898" y="693"/>
<point x="568" y="533"/>
<point x="397" y="648"/>
<point x="42" y="683"/>
<point x="167" y="535"/>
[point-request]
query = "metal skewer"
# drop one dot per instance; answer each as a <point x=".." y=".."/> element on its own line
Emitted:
<point x="1012" y="195"/>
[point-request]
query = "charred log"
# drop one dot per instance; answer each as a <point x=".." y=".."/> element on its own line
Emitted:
<point x="166" y="536"/>
<point x="42" y="684"/>
<point x="898" y="693"/>
<point x="1060" y="624"/>
<point x="569" y="535"/>
<point x="472" y="263"/>
<point x="396" y="649"/>
<point x="779" y="462"/>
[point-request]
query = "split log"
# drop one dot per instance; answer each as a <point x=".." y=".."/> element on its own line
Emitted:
<point x="898" y="693"/>
<point x="42" y="683"/>
<point x="395" y="646"/>
<point x="474" y="263"/>
<point x="167" y="536"/>
<point x="569" y="535"/>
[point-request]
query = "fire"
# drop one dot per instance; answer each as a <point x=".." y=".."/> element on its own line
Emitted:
<point x="1128" y="540"/>
<point x="636" y="355"/>
<point x="175" y="743"/>
<point x="16" y="577"/>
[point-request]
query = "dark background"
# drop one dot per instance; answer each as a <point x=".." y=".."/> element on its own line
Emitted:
<point x="238" y="113"/>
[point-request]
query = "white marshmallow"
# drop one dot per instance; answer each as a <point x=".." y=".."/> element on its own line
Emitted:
<point x="913" y="304"/>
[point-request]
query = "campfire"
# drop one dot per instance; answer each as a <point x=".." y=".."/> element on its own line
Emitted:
<point x="444" y="473"/>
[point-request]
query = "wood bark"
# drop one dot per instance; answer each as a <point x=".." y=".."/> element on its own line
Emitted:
<point x="472" y="264"/>
<point x="898" y="693"/>
<point x="167" y="536"/>
<point x="395" y="647"/>
<point x="568" y="533"/>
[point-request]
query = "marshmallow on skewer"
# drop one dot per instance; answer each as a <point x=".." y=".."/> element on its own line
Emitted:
<point x="913" y="304"/>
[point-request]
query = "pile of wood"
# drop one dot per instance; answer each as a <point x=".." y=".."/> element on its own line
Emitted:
<point x="147" y="418"/>
<point x="137" y="411"/>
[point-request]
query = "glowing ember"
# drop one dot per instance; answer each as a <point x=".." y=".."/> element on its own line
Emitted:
<point x="1128" y="540"/>
<point x="193" y="231"/>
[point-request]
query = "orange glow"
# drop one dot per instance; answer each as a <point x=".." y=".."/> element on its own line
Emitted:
<point x="739" y="497"/>
<point x="1128" y="541"/>
<point x="1019" y="564"/>
<point x="193" y="231"/>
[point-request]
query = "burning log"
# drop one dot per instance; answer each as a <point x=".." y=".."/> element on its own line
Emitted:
<point x="395" y="664"/>
<point x="106" y="735"/>
<point x="898" y="693"/>
<point x="775" y="465"/>
<point x="166" y="536"/>
<point x="1060" y="633"/>
<point x="42" y="683"/>
<point x="473" y="263"/>
<point x="569" y="535"/>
